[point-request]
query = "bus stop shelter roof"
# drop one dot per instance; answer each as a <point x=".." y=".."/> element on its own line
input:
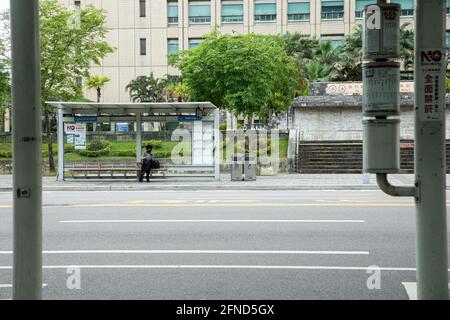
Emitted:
<point x="161" y="108"/>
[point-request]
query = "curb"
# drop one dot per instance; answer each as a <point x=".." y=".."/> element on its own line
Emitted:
<point x="200" y="188"/>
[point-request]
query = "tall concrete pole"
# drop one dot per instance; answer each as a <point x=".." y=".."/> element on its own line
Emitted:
<point x="27" y="161"/>
<point x="430" y="159"/>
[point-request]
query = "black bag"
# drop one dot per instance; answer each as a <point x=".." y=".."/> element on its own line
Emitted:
<point x="155" y="164"/>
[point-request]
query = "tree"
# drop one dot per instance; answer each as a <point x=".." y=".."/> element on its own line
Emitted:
<point x="349" y="66"/>
<point x="97" y="82"/>
<point x="146" y="89"/>
<point x="5" y="82"/>
<point x="245" y="74"/>
<point x="70" y="43"/>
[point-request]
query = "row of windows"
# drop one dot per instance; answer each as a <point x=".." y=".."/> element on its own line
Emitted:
<point x="173" y="46"/>
<point x="265" y="10"/>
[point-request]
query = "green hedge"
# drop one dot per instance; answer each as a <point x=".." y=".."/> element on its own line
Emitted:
<point x="5" y="154"/>
<point x="157" y="144"/>
<point x="96" y="149"/>
<point x="124" y="153"/>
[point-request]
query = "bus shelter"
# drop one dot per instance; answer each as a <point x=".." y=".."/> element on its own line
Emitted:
<point x="205" y="136"/>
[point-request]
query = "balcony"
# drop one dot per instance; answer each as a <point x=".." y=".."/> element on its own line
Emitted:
<point x="333" y="15"/>
<point x="298" y="16"/>
<point x="406" y="12"/>
<point x="172" y="20"/>
<point x="265" y="17"/>
<point x="200" y="20"/>
<point x="233" y="19"/>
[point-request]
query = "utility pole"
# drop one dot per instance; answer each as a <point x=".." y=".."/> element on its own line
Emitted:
<point x="381" y="149"/>
<point x="27" y="158"/>
<point x="430" y="158"/>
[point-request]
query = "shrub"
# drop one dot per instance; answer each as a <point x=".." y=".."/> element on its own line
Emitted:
<point x="5" y="154"/>
<point x="223" y="127"/>
<point x="157" y="144"/>
<point x="96" y="149"/>
<point x="69" y="148"/>
<point x="162" y="154"/>
<point x="124" y="153"/>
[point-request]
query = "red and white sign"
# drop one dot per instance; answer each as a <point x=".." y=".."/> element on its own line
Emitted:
<point x="432" y="85"/>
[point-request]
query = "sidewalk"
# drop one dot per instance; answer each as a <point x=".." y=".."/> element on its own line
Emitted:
<point x="279" y="182"/>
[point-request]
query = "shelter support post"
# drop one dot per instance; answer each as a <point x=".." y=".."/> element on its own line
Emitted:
<point x="138" y="137"/>
<point x="216" y="145"/>
<point x="60" y="176"/>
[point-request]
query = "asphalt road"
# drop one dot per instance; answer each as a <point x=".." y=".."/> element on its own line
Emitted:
<point x="221" y="245"/>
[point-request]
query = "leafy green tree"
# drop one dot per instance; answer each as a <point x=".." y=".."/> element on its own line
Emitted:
<point x="349" y="65"/>
<point x="407" y="46"/>
<point x="70" y="43"/>
<point x="246" y="74"/>
<point x="97" y="83"/>
<point x="146" y="89"/>
<point x="5" y="83"/>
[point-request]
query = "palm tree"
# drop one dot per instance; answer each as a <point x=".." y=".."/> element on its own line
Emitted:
<point x="407" y="46"/>
<point x="146" y="89"/>
<point x="317" y="71"/>
<point x="97" y="82"/>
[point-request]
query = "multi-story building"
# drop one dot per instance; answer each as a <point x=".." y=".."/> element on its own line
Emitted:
<point x="144" y="32"/>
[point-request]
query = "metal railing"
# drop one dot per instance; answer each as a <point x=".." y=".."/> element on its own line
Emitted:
<point x="200" y="19"/>
<point x="333" y="15"/>
<point x="406" y="12"/>
<point x="298" y="16"/>
<point x="172" y="20"/>
<point x="233" y="19"/>
<point x="265" y="17"/>
<point x="358" y="14"/>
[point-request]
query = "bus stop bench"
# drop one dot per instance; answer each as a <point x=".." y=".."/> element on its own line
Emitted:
<point x="125" y="170"/>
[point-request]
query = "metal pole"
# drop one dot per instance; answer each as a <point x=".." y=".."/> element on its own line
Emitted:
<point x="27" y="161"/>
<point x="138" y="137"/>
<point x="60" y="176"/>
<point x="430" y="160"/>
<point x="217" y="137"/>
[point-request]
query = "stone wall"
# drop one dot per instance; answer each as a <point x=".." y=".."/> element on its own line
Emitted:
<point x="340" y="118"/>
<point x="344" y="123"/>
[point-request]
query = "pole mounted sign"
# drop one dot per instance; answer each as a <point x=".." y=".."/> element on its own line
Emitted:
<point x="431" y="81"/>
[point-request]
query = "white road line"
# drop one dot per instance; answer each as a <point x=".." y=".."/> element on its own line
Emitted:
<point x="198" y="252"/>
<point x="263" y="267"/>
<point x="8" y="285"/>
<point x="211" y="221"/>
<point x="411" y="289"/>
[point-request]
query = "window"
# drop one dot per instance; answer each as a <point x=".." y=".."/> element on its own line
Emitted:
<point x="265" y="11"/>
<point x="447" y="6"/>
<point x="172" y="46"/>
<point x="332" y="10"/>
<point x="194" y="43"/>
<point x="142" y="8"/>
<point x="406" y="7"/>
<point x="77" y="4"/>
<point x="199" y="12"/>
<point x="172" y="12"/>
<point x="360" y="4"/>
<point x="143" y="46"/>
<point x="298" y="10"/>
<point x="232" y="11"/>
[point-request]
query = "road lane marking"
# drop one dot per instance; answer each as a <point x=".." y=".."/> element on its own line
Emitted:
<point x="411" y="289"/>
<point x="288" y="252"/>
<point x="176" y="266"/>
<point x="211" y="221"/>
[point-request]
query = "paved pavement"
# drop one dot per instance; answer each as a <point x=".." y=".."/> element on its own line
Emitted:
<point x="279" y="182"/>
<point x="221" y="245"/>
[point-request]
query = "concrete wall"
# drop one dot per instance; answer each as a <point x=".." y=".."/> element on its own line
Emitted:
<point x="344" y="123"/>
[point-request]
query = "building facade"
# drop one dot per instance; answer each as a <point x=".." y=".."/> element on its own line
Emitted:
<point x="144" y="32"/>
